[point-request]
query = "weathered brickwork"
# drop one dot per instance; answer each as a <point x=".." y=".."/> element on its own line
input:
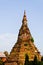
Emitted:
<point x="24" y="45"/>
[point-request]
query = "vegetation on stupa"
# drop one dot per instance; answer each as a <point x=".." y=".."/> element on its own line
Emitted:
<point x="32" y="40"/>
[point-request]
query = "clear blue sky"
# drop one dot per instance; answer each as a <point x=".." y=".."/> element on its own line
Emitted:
<point x="11" y="14"/>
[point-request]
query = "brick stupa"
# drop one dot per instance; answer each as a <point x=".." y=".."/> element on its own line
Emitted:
<point x="24" y="45"/>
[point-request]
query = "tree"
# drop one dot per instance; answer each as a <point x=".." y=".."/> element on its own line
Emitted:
<point x="1" y="62"/>
<point x="6" y="53"/>
<point x="26" y="60"/>
<point x="35" y="62"/>
<point x="42" y="58"/>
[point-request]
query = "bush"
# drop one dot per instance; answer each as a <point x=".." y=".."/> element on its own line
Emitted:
<point x="1" y="62"/>
<point x="32" y="40"/>
<point x="41" y="63"/>
<point x="35" y="62"/>
<point x="42" y="58"/>
<point x="26" y="60"/>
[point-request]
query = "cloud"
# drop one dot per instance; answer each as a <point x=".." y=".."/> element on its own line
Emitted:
<point x="7" y="41"/>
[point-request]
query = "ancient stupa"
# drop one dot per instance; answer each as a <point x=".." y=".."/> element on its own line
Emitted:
<point x="24" y="45"/>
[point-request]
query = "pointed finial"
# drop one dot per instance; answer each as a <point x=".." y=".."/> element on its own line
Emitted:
<point x="24" y="21"/>
<point x="24" y="12"/>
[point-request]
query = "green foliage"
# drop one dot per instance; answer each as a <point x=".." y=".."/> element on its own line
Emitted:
<point x="41" y="63"/>
<point x="1" y="62"/>
<point x="26" y="60"/>
<point x="35" y="59"/>
<point x="30" y="62"/>
<point x="35" y="62"/>
<point x="32" y="39"/>
<point x="42" y="58"/>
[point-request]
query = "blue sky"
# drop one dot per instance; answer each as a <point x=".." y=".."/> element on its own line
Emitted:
<point x="11" y="14"/>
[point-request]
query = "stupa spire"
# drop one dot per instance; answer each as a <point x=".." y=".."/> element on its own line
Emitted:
<point x="24" y="21"/>
<point x="24" y="45"/>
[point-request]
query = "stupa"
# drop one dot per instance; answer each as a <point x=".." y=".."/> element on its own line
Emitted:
<point x="24" y="45"/>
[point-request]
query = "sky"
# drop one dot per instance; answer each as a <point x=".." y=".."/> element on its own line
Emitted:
<point x="11" y="15"/>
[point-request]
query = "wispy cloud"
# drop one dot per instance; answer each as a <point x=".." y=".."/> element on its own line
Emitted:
<point x="7" y="41"/>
